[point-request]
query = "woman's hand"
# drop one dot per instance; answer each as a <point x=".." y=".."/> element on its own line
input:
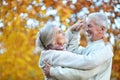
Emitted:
<point x="46" y="69"/>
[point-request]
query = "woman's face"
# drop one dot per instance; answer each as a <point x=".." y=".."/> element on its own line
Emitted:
<point x="60" y="38"/>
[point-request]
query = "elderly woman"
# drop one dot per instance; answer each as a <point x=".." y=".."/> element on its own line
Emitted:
<point x="92" y="62"/>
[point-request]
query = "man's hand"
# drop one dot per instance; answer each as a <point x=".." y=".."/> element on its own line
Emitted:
<point x="46" y="69"/>
<point x="78" y="25"/>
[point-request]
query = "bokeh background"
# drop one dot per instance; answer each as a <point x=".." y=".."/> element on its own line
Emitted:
<point x="20" y="20"/>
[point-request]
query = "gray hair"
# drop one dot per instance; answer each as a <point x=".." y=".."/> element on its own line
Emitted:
<point x="45" y="36"/>
<point x="100" y="19"/>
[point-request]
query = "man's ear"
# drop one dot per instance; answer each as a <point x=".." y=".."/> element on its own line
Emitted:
<point x="103" y="28"/>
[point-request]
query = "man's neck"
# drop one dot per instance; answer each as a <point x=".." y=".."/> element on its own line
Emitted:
<point x="97" y="38"/>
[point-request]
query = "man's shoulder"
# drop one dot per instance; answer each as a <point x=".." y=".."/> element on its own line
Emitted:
<point x="103" y="46"/>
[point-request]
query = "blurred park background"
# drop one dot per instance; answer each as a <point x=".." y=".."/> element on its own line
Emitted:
<point x="20" y="20"/>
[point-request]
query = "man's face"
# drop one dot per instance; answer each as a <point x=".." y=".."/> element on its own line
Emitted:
<point x="92" y="30"/>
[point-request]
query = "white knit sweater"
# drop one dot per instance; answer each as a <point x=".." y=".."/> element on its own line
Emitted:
<point x="90" y="63"/>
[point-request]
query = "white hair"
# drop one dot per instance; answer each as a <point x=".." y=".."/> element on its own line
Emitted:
<point x="100" y="19"/>
<point x="45" y="36"/>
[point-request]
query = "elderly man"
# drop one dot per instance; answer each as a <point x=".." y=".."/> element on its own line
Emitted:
<point x="97" y="62"/>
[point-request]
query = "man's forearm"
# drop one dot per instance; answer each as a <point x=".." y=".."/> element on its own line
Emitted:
<point x="71" y="74"/>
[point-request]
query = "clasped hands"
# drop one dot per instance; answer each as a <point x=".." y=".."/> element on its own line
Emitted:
<point x="46" y="69"/>
<point x="78" y="25"/>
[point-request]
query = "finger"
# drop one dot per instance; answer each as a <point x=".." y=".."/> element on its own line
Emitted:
<point x="46" y="63"/>
<point x="80" y="17"/>
<point x="73" y="27"/>
<point x="82" y="25"/>
<point x="79" y="21"/>
<point x="45" y="69"/>
<point x="83" y="19"/>
<point x="79" y="27"/>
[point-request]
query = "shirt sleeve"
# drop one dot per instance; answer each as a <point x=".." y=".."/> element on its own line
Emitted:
<point x="68" y="59"/>
<point x="73" y="42"/>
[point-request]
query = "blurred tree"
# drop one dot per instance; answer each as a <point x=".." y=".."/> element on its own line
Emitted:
<point x="20" y="20"/>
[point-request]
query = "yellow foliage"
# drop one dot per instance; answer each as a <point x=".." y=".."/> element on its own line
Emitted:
<point x="64" y="12"/>
<point x="18" y="61"/>
<point x="48" y="3"/>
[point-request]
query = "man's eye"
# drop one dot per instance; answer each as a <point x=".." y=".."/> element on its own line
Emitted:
<point x="89" y="26"/>
<point x="60" y="31"/>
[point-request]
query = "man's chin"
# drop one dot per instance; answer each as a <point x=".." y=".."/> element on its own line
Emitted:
<point x="89" y="38"/>
<point x="89" y="35"/>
